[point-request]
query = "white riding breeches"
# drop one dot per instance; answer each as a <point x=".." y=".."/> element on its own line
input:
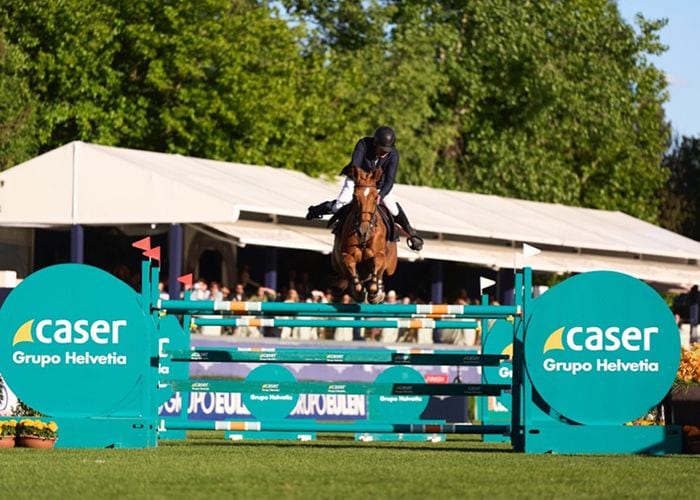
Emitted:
<point x="345" y="197"/>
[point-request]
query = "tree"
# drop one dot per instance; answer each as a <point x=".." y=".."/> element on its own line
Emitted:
<point x="17" y="108"/>
<point x="217" y="79"/>
<point x="551" y="101"/>
<point x="680" y="207"/>
<point x="555" y="103"/>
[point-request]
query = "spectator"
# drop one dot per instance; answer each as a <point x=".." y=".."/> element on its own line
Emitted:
<point x="162" y="294"/>
<point x="459" y="336"/>
<point x="263" y="294"/>
<point x="200" y="290"/>
<point x="215" y="292"/>
<point x="320" y="297"/>
<point x="390" y="335"/>
<point x="289" y="332"/>
<point x="344" y="334"/>
<point x="239" y="294"/>
<point x="245" y="279"/>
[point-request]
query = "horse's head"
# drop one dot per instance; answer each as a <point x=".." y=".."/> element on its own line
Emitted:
<point x="366" y="198"/>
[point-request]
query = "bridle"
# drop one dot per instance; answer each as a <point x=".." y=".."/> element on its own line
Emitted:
<point x="360" y="216"/>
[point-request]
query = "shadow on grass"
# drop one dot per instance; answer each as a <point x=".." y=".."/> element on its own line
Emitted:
<point x="348" y="442"/>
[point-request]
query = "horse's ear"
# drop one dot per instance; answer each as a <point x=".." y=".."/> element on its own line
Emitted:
<point x="377" y="175"/>
<point x="355" y="172"/>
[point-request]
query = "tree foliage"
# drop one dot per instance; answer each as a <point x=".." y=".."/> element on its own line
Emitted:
<point x="17" y="108"/>
<point x="551" y="101"/>
<point x="680" y="207"/>
<point x="214" y="78"/>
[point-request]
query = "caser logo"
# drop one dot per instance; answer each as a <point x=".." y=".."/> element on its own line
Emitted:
<point x="595" y="338"/>
<point x="585" y="343"/>
<point x="63" y="331"/>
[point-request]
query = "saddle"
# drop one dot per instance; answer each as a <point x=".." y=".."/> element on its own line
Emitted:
<point x="336" y="222"/>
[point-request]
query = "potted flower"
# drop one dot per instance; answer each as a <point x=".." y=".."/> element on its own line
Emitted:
<point x="682" y="406"/>
<point x="8" y="429"/>
<point x="36" y="434"/>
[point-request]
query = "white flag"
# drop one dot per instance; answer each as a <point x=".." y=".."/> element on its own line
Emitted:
<point x="485" y="283"/>
<point x="529" y="250"/>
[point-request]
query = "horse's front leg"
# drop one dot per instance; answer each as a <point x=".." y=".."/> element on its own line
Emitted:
<point x="375" y="290"/>
<point x="350" y="260"/>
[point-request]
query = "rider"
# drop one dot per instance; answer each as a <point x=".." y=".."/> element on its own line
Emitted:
<point x="371" y="153"/>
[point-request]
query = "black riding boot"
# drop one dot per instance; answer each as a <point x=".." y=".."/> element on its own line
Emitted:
<point x="414" y="241"/>
<point x="318" y="211"/>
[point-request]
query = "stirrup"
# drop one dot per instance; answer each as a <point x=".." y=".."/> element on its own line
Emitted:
<point x="415" y="243"/>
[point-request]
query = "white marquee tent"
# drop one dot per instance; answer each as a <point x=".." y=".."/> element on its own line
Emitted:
<point x="89" y="184"/>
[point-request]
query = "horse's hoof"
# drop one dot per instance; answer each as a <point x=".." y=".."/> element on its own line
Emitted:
<point x="360" y="297"/>
<point x="377" y="298"/>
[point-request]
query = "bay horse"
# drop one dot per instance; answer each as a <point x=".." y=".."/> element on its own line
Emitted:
<point x="362" y="253"/>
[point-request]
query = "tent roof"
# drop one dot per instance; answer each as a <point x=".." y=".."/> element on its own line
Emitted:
<point x="90" y="184"/>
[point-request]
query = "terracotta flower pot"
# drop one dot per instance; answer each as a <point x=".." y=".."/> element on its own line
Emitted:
<point x="7" y="441"/>
<point x="35" y="442"/>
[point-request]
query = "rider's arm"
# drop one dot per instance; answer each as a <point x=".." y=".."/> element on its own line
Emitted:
<point x="358" y="154"/>
<point x="389" y="174"/>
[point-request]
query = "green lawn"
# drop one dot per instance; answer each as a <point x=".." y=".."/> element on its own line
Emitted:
<point x="206" y="466"/>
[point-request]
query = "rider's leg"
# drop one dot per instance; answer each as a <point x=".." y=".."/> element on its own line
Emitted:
<point x="345" y="195"/>
<point x="414" y="241"/>
<point x="332" y="206"/>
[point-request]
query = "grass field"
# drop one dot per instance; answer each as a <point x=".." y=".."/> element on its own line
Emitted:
<point x="206" y="466"/>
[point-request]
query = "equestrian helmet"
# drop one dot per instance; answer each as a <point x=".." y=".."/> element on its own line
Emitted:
<point x="384" y="138"/>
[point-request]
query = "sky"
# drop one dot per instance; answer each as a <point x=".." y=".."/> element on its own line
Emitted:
<point x="680" y="62"/>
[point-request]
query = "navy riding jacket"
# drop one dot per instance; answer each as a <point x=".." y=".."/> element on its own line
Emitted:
<point x="364" y="157"/>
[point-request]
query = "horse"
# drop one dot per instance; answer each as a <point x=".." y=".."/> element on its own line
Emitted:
<point x="362" y="253"/>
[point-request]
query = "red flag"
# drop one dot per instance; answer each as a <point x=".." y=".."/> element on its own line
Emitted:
<point x="153" y="253"/>
<point x="186" y="280"/>
<point x="143" y="244"/>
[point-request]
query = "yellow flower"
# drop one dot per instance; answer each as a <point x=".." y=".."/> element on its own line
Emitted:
<point x="689" y="369"/>
<point x="30" y="427"/>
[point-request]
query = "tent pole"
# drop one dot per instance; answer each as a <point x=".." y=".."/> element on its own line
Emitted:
<point x="175" y="251"/>
<point x="77" y="244"/>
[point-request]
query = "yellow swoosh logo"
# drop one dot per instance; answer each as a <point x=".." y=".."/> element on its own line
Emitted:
<point x="554" y="341"/>
<point x="24" y="333"/>
<point x="508" y="350"/>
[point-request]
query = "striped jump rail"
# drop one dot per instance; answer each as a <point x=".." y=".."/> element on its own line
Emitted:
<point x="277" y="390"/>
<point x="419" y="357"/>
<point x="281" y="308"/>
<point x="346" y="315"/>
<point x="331" y="426"/>
<point x="336" y="323"/>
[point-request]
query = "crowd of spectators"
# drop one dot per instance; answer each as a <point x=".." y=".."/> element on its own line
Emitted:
<point x="299" y="289"/>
